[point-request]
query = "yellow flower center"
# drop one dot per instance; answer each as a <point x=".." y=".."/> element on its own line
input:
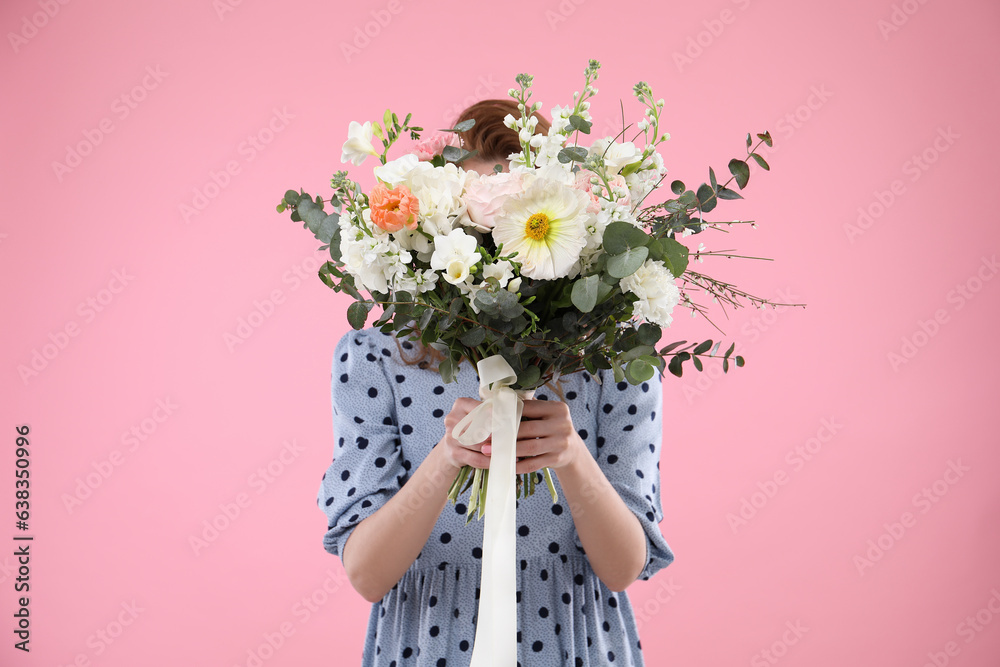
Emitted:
<point x="537" y="226"/>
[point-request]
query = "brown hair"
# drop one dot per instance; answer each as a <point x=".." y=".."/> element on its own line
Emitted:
<point x="489" y="136"/>
<point x="493" y="141"/>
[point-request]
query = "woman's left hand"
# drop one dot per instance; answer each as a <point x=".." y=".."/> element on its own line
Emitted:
<point x="547" y="440"/>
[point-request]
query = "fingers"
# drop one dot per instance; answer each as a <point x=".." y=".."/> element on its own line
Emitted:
<point x="467" y="457"/>
<point x="533" y="463"/>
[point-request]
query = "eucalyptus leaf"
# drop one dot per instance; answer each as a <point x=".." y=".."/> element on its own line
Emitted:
<point x="675" y="256"/>
<point x="740" y="170"/>
<point x="572" y="154"/>
<point x="578" y="123"/>
<point x="357" y="314"/>
<point x="621" y="236"/>
<point x="706" y="197"/>
<point x="584" y="292"/>
<point x="627" y="263"/>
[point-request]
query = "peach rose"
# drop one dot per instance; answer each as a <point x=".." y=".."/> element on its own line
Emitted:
<point x="392" y="210"/>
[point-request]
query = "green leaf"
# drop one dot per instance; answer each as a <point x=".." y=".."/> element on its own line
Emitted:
<point x="628" y="262"/>
<point x="529" y="376"/>
<point x="725" y="365"/>
<point x="677" y="187"/>
<point x="740" y="361"/>
<point x="707" y="198"/>
<point x="639" y="370"/>
<point x="763" y="164"/>
<point x="464" y="126"/>
<point x="335" y="245"/>
<point x="726" y="193"/>
<point x="281" y="208"/>
<point x="357" y="314"/>
<point x="425" y="319"/>
<point x="711" y="177"/>
<point x="616" y="367"/>
<point x="584" y="294"/>
<point x="572" y="154"/>
<point x="455" y="154"/>
<point x="741" y="170"/>
<point x="329" y="228"/>
<point x="749" y="140"/>
<point x="669" y="348"/>
<point x="766" y="138"/>
<point x="702" y="348"/>
<point x="447" y="370"/>
<point x="649" y="333"/>
<point x="697" y="363"/>
<point x="730" y="350"/>
<point x="675" y="366"/>
<point x="675" y="256"/>
<point x="578" y="123"/>
<point x="621" y="236"/>
<point x="291" y="197"/>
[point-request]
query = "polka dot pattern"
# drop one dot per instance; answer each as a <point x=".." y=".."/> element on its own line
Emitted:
<point x="387" y="416"/>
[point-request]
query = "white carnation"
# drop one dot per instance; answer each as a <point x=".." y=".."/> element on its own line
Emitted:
<point x="658" y="293"/>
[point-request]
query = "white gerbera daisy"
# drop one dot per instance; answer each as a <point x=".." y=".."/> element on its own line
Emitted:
<point x="545" y="225"/>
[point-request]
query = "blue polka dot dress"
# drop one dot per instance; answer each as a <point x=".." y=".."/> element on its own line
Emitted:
<point x="387" y="415"/>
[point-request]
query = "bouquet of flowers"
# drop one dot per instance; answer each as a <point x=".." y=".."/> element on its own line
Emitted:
<point x="554" y="266"/>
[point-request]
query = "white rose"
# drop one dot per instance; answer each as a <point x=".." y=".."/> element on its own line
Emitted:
<point x="485" y="196"/>
<point x="396" y="171"/>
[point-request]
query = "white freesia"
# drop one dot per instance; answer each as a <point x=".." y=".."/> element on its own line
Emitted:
<point x="658" y="293"/>
<point x="359" y="143"/>
<point x="455" y="254"/>
<point x="618" y="155"/>
<point x="502" y="270"/>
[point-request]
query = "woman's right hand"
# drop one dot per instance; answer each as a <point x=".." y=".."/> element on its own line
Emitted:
<point x="454" y="452"/>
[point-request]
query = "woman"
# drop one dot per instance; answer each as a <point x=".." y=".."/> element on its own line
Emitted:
<point x="410" y="553"/>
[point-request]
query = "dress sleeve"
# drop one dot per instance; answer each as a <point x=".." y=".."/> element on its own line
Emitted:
<point x="629" y="438"/>
<point x="367" y="467"/>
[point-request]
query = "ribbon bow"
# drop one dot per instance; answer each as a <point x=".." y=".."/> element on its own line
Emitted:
<point x="499" y="414"/>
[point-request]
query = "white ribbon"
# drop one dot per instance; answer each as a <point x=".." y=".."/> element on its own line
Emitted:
<point x="500" y="414"/>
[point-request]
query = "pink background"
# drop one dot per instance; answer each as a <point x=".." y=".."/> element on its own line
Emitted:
<point x="849" y="106"/>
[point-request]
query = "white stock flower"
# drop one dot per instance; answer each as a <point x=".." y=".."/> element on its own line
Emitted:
<point x="374" y="261"/>
<point x="658" y="293"/>
<point x="455" y="254"/>
<point x="359" y="143"/>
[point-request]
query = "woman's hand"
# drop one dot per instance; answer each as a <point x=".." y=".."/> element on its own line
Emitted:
<point x="547" y="440"/>
<point x="454" y="452"/>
